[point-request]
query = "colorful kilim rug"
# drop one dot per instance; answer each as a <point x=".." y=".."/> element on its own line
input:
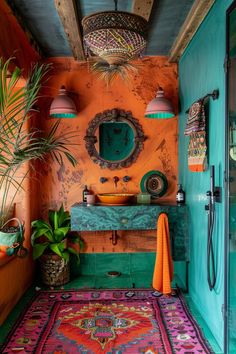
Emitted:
<point x="106" y="321"/>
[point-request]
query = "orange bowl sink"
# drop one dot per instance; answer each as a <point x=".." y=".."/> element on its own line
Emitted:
<point x="115" y="198"/>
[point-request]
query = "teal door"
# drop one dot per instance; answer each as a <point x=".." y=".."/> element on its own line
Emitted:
<point x="230" y="329"/>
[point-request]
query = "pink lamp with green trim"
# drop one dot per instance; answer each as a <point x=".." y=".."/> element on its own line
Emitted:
<point x="160" y="107"/>
<point x="63" y="106"/>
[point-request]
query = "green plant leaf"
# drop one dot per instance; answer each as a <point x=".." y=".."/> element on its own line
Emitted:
<point x="41" y="228"/>
<point x="61" y="233"/>
<point x="73" y="251"/>
<point x="61" y="214"/>
<point x="40" y="223"/>
<point x="81" y="244"/>
<point x="63" y="217"/>
<point x="56" y="248"/>
<point x="55" y="220"/>
<point x="39" y="233"/>
<point x="66" y="255"/>
<point x="51" y="218"/>
<point x="39" y="249"/>
<point x="74" y="238"/>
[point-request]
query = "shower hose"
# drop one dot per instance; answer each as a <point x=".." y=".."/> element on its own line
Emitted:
<point x="211" y="275"/>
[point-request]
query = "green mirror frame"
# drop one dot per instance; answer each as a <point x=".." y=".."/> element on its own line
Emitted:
<point x="92" y="138"/>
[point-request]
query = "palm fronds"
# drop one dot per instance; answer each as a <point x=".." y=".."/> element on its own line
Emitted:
<point x="19" y="143"/>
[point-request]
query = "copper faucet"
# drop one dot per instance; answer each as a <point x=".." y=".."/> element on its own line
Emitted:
<point x="116" y="179"/>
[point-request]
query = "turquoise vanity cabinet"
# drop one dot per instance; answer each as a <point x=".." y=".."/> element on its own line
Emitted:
<point x="135" y="217"/>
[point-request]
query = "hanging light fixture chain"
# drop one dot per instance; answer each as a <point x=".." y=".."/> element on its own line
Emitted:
<point x="116" y="2"/>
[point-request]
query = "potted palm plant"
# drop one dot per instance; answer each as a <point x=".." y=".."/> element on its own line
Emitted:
<point x="20" y="143"/>
<point x="52" y="243"/>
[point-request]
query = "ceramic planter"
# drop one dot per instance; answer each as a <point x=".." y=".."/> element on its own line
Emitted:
<point x="55" y="271"/>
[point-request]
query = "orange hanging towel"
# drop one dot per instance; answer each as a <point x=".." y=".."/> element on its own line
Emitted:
<point x="163" y="270"/>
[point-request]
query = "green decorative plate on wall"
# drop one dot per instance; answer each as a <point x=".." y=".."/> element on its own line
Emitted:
<point x="154" y="183"/>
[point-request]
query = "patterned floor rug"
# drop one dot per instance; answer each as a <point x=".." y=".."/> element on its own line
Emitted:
<point x="106" y="321"/>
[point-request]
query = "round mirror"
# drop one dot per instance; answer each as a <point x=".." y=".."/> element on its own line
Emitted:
<point x="114" y="139"/>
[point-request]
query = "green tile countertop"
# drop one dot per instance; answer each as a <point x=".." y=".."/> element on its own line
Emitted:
<point x="134" y="217"/>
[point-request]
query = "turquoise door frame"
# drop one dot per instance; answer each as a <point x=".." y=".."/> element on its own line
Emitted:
<point x="230" y="168"/>
<point x="201" y="70"/>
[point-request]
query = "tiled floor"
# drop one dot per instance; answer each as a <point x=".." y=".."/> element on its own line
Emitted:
<point x="137" y="280"/>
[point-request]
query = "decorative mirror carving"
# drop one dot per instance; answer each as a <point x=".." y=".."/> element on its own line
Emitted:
<point x="114" y="139"/>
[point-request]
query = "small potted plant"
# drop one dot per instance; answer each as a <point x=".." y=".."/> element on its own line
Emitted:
<point x="52" y="245"/>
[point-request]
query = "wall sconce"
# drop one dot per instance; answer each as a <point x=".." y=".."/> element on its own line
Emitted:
<point x="63" y="106"/>
<point x="160" y="107"/>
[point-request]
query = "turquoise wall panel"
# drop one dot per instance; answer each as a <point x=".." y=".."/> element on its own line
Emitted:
<point x="138" y="266"/>
<point x="201" y="71"/>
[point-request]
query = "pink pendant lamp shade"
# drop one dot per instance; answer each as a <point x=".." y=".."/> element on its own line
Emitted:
<point x="63" y="106"/>
<point x="160" y="107"/>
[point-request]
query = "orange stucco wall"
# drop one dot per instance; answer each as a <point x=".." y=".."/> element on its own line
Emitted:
<point x="92" y="96"/>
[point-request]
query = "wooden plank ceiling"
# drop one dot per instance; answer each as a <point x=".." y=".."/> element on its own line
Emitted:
<point x="142" y="8"/>
<point x="67" y="11"/>
<point x="56" y="25"/>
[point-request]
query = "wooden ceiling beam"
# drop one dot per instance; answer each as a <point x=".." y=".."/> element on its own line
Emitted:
<point x="67" y="12"/>
<point x="190" y="26"/>
<point x="142" y="8"/>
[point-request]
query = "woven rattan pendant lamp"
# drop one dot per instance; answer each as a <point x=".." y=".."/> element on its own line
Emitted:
<point x="114" y="36"/>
